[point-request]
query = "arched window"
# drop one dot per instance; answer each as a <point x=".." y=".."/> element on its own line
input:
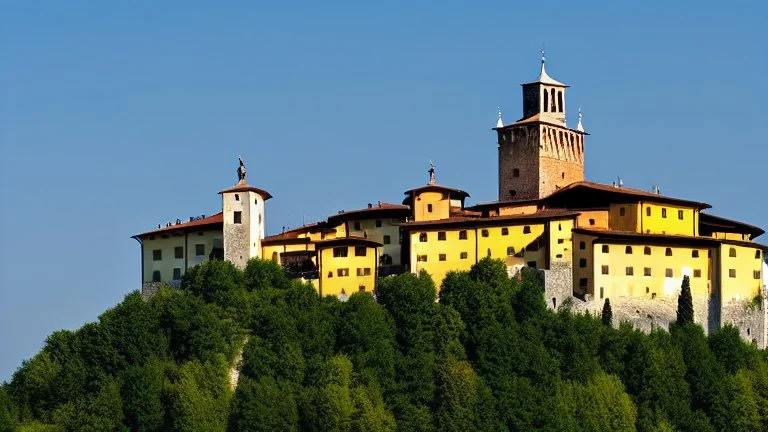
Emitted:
<point x="668" y="252"/>
<point x="423" y="237"/>
<point x="647" y="250"/>
<point x="628" y="250"/>
<point x="546" y="100"/>
<point x="732" y="253"/>
<point x="559" y="101"/>
<point x="552" y="96"/>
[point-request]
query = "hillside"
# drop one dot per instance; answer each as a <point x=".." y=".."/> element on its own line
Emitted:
<point x="488" y="356"/>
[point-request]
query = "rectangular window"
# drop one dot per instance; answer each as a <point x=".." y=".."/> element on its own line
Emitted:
<point x="421" y="258"/>
<point x="560" y="241"/>
<point x="357" y="226"/>
<point x="462" y="235"/>
<point x="511" y="251"/>
<point x="583" y="283"/>
<point x="526" y="229"/>
<point x="605" y="270"/>
<point x="429" y="208"/>
<point x="387" y="239"/>
<point x="361" y="288"/>
<point x="647" y="271"/>
<point x="176" y="274"/>
<point x="532" y="264"/>
<point x="157" y="255"/>
<point x="505" y="231"/>
<point x="515" y="172"/>
<point x="342" y="272"/>
<point x="695" y="253"/>
<point x="484" y="233"/>
<point x="669" y="273"/>
<point x="757" y="254"/>
<point x="732" y="253"/>
<point x="237" y="217"/>
<point x="378" y="223"/>
<point x="441" y="235"/>
<point x="697" y="273"/>
<point x="441" y="257"/>
<point x="156" y="276"/>
<point x="582" y="245"/>
<point x="680" y="214"/>
<point x="582" y="262"/>
<point x="423" y="237"/>
<point x="200" y="250"/>
<point x="361" y="251"/>
<point x="363" y="271"/>
<point x="463" y="255"/>
<point x="178" y="252"/>
<point x="756" y="274"/>
<point x="340" y="252"/>
<point x="647" y="211"/>
<point x="622" y="211"/>
<point x="731" y="273"/>
<point x="630" y="271"/>
<point x="663" y="212"/>
<point x="605" y="248"/>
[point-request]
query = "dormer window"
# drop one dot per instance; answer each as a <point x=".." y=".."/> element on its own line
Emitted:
<point x="429" y="208"/>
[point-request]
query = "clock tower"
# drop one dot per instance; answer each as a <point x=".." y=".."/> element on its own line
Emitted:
<point x="539" y="154"/>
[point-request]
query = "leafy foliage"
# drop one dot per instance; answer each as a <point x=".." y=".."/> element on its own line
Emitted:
<point x="488" y="356"/>
<point x="685" y="303"/>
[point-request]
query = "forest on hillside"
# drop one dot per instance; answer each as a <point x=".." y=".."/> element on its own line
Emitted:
<point x="488" y="356"/>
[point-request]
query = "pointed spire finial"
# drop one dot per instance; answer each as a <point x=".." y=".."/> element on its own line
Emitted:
<point x="431" y="172"/>
<point x="499" y="122"/>
<point x="543" y="57"/>
<point x="580" y="127"/>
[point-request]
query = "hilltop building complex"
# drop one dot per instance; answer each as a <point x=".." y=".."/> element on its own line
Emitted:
<point x="590" y="241"/>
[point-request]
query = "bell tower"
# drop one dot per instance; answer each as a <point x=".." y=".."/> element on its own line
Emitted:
<point x="539" y="154"/>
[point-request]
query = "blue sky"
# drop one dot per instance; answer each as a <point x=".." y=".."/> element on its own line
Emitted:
<point x="117" y="116"/>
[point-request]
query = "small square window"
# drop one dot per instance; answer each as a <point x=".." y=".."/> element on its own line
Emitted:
<point x="361" y="288"/>
<point x="732" y="253"/>
<point x="731" y="273"/>
<point x="505" y="231"/>
<point x="582" y="262"/>
<point x="342" y="272"/>
<point x="680" y="214"/>
<point x="668" y="252"/>
<point x="462" y="235"/>
<point x="532" y="264"/>
<point x="757" y="254"/>
<point x="511" y="251"/>
<point x="526" y="229"/>
<point x="423" y="237"/>
<point x="441" y="257"/>
<point x="515" y="172"/>
<point x="178" y="252"/>
<point x="560" y="241"/>
<point x="156" y="276"/>
<point x="441" y="236"/>
<point x="237" y="217"/>
<point x="591" y="221"/>
<point x="583" y="283"/>
<point x="647" y="271"/>
<point x="429" y="208"/>
<point x="669" y="273"/>
<point x="484" y="233"/>
<point x="357" y="226"/>
<point x="697" y="273"/>
<point x="176" y="273"/>
<point x="421" y="258"/>
<point x="237" y="197"/>
<point x="605" y="249"/>
<point x="582" y="245"/>
<point x="663" y="212"/>
<point x="387" y="239"/>
<point x="630" y="271"/>
<point x="200" y="250"/>
<point x="647" y="250"/>
<point x="604" y="270"/>
<point x="463" y="255"/>
<point x="378" y="223"/>
<point x="363" y="271"/>
<point x="647" y="211"/>
<point x="628" y="250"/>
<point x="756" y="274"/>
<point x="361" y="251"/>
<point x="157" y="255"/>
<point x="622" y="211"/>
<point x="340" y="252"/>
<point x="695" y="253"/>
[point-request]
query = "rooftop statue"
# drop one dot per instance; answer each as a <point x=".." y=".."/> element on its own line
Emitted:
<point x="241" y="170"/>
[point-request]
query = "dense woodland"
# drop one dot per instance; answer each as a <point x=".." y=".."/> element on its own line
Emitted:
<point x="489" y="356"/>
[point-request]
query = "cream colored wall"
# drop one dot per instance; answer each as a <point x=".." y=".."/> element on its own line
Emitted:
<point x="730" y="236"/>
<point x="656" y="224"/>
<point x="516" y="210"/>
<point x="629" y="222"/>
<point x="744" y="286"/>
<point x="560" y="240"/>
<point x="256" y="213"/>
<point x="440" y="206"/>
<point x="369" y="229"/>
<point x="452" y="247"/>
<point x="332" y="284"/>
<point x="618" y="284"/>
<point x="269" y="251"/>
<point x="600" y="217"/>
<point x="168" y="245"/>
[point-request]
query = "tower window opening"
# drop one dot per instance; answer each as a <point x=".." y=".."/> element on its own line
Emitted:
<point x="546" y="100"/>
<point x="552" y="96"/>
<point x="559" y="101"/>
<point x="237" y="197"/>
<point x="516" y="172"/>
<point x="237" y="217"/>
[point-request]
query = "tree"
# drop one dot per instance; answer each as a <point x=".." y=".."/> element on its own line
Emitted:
<point x="200" y="397"/>
<point x="7" y="412"/>
<point x="607" y="316"/>
<point x="142" y="392"/>
<point x="264" y="404"/>
<point x="685" y="303"/>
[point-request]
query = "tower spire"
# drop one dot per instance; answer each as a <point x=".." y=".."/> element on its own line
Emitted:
<point x="499" y="122"/>
<point x="580" y="127"/>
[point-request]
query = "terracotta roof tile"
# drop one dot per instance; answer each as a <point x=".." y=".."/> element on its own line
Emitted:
<point x="623" y="190"/>
<point x="463" y="220"/>
<point x="242" y="186"/>
<point x="207" y="223"/>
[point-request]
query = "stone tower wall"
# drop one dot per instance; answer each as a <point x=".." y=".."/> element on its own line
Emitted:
<point x="561" y="158"/>
<point x="237" y="237"/>
<point x="519" y="150"/>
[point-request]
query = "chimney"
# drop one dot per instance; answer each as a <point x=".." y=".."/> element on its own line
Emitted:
<point x="370" y="205"/>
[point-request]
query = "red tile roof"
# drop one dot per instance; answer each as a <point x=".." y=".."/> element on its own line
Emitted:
<point x="536" y="118"/>
<point x="464" y="221"/>
<point x="242" y="186"/>
<point x="586" y="186"/>
<point x="728" y="225"/>
<point x="211" y="222"/>
<point x="351" y="240"/>
<point x="292" y="236"/>
<point x="662" y="238"/>
<point x="381" y="209"/>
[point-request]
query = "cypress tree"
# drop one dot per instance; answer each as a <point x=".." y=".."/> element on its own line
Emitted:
<point x="685" y="303"/>
<point x="607" y="313"/>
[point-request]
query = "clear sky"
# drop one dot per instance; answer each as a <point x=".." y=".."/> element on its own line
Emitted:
<point x="117" y="116"/>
